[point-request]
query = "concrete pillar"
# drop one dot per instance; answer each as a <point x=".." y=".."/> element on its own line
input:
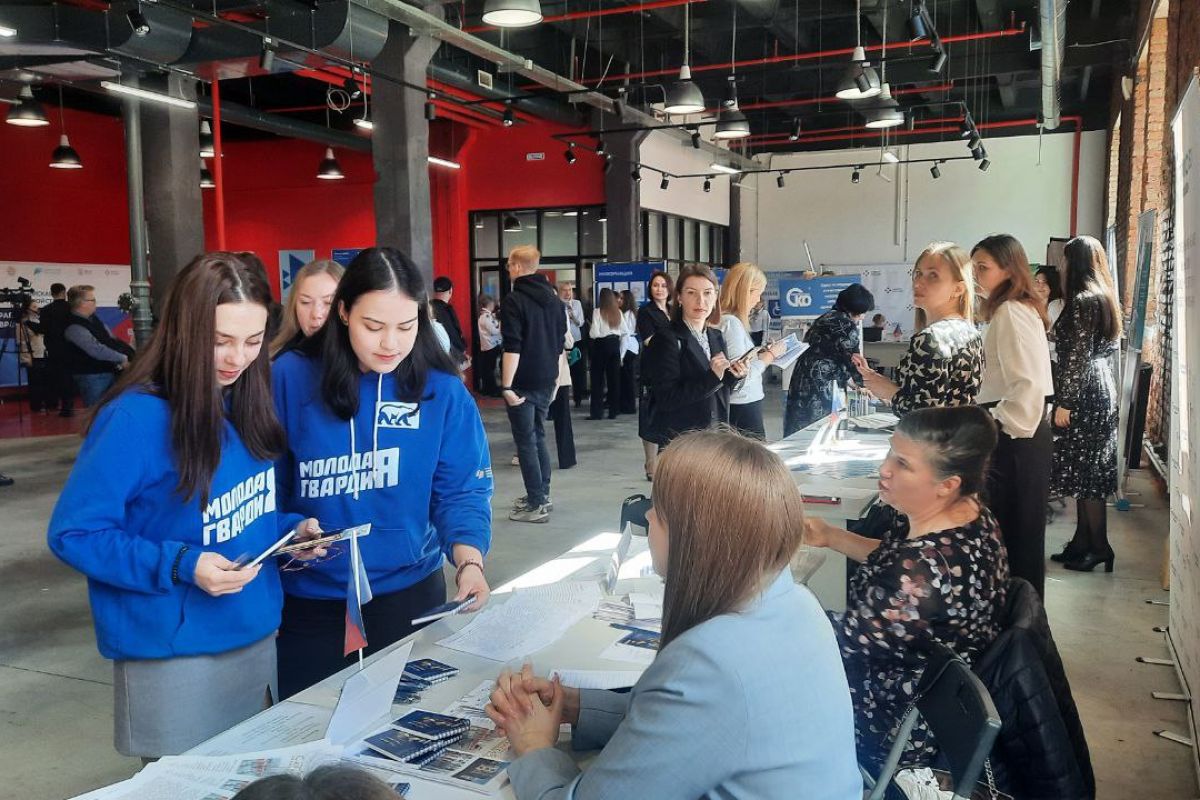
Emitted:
<point x="743" y="219"/>
<point x="400" y="145"/>
<point x="623" y="195"/>
<point x="171" y="180"/>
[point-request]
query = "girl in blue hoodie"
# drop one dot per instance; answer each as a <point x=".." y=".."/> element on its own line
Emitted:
<point x="175" y="481"/>
<point x="380" y="429"/>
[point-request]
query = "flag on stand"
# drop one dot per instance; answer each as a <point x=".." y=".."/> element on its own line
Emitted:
<point x="358" y="594"/>
<point x="839" y="401"/>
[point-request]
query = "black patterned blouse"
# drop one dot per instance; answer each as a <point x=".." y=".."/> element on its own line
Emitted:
<point x="832" y="340"/>
<point x="1085" y="454"/>
<point x="947" y="587"/>
<point x="943" y="367"/>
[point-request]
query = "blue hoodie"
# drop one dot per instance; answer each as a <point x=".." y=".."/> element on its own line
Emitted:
<point x="121" y="522"/>
<point x="420" y="473"/>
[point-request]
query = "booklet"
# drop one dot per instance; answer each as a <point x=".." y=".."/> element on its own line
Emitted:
<point x="429" y="670"/>
<point x="795" y="349"/>
<point x="403" y="746"/>
<point x="429" y="725"/>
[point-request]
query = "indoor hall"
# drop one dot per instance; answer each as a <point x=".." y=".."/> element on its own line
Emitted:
<point x="924" y="261"/>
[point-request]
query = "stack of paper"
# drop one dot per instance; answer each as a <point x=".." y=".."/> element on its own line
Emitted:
<point x="635" y="610"/>
<point x="531" y="620"/>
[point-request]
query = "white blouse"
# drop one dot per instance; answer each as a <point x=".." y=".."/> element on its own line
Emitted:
<point x="600" y="327"/>
<point x="1016" y="369"/>
<point x="737" y="342"/>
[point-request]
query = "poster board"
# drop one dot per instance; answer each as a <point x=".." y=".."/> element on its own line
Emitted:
<point x="809" y="299"/>
<point x="1184" y="627"/>
<point x="110" y="280"/>
<point x="891" y="285"/>
<point x="631" y="275"/>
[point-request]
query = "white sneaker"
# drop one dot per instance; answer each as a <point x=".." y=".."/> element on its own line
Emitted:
<point x="523" y="501"/>
<point x="531" y="514"/>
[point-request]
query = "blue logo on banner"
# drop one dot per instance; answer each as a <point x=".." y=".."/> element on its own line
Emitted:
<point x="290" y="262"/>
<point x="811" y="298"/>
<point x="345" y="255"/>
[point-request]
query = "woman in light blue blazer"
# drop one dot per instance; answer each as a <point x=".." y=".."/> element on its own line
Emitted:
<point x="747" y="696"/>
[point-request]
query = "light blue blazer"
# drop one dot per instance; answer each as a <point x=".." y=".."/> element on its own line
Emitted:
<point x="750" y="705"/>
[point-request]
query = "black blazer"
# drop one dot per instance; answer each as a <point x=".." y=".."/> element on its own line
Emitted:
<point x="684" y="394"/>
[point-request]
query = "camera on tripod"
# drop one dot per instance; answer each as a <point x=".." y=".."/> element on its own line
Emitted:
<point x="19" y="296"/>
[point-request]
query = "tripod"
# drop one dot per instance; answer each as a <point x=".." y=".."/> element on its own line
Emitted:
<point x="10" y="311"/>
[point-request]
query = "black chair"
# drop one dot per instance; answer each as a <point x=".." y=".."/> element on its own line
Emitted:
<point x="959" y="712"/>
<point x="633" y="511"/>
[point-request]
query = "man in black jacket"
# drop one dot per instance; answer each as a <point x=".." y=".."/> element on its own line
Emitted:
<point x="54" y="321"/>
<point x="534" y="326"/>
<point x="443" y="312"/>
<point x="91" y="353"/>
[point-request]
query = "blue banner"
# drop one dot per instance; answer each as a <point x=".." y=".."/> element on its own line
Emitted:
<point x="344" y="256"/>
<point x="812" y="298"/>
<point x="632" y="275"/>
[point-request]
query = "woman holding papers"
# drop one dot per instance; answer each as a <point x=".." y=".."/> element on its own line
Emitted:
<point x="686" y="367"/>
<point x="380" y="429"/>
<point x="173" y="484"/>
<point x="746" y="696"/>
<point x="827" y="363"/>
<point x="1017" y="384"/>
<point x="938" y="575"/>
<point x="944" y="362"/>
<point x="741" y="292"/>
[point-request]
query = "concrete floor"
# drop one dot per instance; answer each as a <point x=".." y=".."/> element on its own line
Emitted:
<point x="56" y="691"/>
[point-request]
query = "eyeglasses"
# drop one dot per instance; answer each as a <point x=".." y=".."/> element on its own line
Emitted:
<point x="296" y="565"/>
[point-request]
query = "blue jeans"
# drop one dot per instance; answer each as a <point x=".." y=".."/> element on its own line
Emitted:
<point x="528" y="422"/>
<point x="92" y="387"/>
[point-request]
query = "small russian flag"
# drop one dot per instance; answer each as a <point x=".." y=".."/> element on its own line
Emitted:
<point x="358" y="594"/>
<point x="839" y="400"/>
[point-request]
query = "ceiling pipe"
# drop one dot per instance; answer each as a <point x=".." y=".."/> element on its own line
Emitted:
<point x="814" y="54"/>
<point x="246" y="117"/>
<point x="1052" y="15"/>
<point x="812" y="101"/>
<point x="605" y="12"/>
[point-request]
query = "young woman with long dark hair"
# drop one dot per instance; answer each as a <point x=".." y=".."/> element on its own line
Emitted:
<point x="1085" y="402"/>
<point x="652" y="317"/>
<point x="1016" y="386"/>
<point x="381" y="430"/>
<point x="174" y="482"/>
<point x="631" y="348"/>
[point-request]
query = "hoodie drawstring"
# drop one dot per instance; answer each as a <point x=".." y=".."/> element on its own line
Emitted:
<point x="374" y="439"/>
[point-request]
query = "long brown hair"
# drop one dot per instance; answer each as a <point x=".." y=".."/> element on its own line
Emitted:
<point x="741" y="279"/>
<point x="179" y="365"/>
<point x="961" y="270"/>
<point x="609" y="309"/>
<point x="734" y="518"/>
<point x="290" y="326"/>
<point x="1018" y="285"/>
<point x="1087" y="276"/>
<point x="658" y="273"/>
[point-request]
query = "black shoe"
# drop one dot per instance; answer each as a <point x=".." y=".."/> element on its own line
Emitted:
<point x="593" y="417"/>
<point x="6" y="481"/>
<point x="1068" y="553"/>
<point x="1088" y="562"/>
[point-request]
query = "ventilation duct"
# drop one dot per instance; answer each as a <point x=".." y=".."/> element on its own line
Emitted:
<point x="1053" y="25"/>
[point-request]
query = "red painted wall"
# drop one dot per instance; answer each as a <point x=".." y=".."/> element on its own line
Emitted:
<point x="77" y="216"/>
<point x="273" y="199"/>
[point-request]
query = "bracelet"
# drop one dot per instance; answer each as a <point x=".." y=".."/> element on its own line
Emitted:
<point x="178" y="561"/>
<point x="463" y="566"/>
<point x="506" y="388"/>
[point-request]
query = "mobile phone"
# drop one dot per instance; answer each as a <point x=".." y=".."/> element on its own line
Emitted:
<point x="746" y="355"/>
<point x="326" y="538"/>
<point x="244" y="562"/>
<point x="444" y="610"/>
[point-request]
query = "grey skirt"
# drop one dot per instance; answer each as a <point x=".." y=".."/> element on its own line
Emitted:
<point x="164" y="707"/>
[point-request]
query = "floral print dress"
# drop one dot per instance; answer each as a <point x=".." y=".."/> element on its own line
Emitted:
<point x="832" y="340"/>
<point x="943" y="367"/>
<point x="947" y="587"/>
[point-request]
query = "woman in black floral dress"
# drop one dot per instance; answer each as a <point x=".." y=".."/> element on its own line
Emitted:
<point x="944" y="362"/>
<point x="1085" y="405"/>
<point x="939" y="575"/>
<point x="832" y="340"/>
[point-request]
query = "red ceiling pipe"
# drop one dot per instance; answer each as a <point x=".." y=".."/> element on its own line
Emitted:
<point x="794" y="57"/>
<point x="218" y="170"/>
<point x="601" y="13"/>
<point x="812" y="101"/>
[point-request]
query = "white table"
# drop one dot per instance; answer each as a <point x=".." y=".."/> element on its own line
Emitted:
<point x="888" y="354"/>
<point x="809" y="455"/>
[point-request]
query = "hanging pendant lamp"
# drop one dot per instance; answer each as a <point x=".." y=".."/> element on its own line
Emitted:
<point x="28" y="112"/>
<point x="731" y="122"/>
<point x="860" y="80"/>
<point x="206" y="179"/>
<point x="512" y="13"/>
<point x="208" y="148"/>
<point x="684" y="96"/>
<point x="330" y="170"/>
<point x="887" y="114"/>
<point x="64" y="156"/>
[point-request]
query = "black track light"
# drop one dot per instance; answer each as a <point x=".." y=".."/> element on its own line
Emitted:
<point x="795" y="134"/>
<point x="973" y="140"/>
<point x="967" y="126"/>
<point x="984" y="164"/>
<point x="138" y="21"/>
<point x="935" y="171"/>
<point x="856" y="176"/>
<point x="917" y="29"/>
<point x="511" y="224"/>
<point x="430" y="108"/>
<point x="569" y="155"/>
<point x="979" y="153"/>
<point x="636" y="174"/>
<point x="607" y="162"/>
<point x="665" y="182"/>
<point x="939" y="61"/>
<point x="708" y="184"/>
<point x="779" y="180"/>
<point x="696" y="139"/>
<point x="509" y="118"/>
<point x="352" y="88"/>
<point x="600" y="147"/>
<point x="266" y="59"/>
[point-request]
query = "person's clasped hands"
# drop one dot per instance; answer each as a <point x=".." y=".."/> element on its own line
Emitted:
<point x="529" y="709"/>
